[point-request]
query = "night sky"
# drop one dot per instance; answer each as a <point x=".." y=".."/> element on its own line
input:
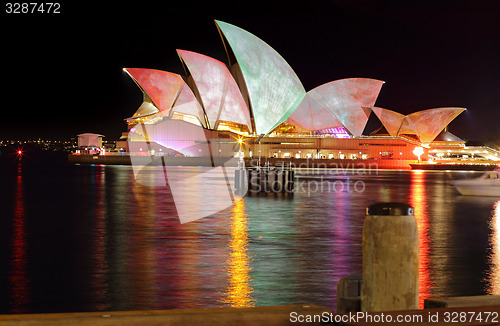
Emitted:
<point x="62" y="73"/>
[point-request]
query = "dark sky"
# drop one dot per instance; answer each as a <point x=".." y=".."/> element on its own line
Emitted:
<point x="63" y="72"/>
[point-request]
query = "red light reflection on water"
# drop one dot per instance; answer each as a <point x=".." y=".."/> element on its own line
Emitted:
<point x="18" y="280"/>
<point x="418" y="199"/>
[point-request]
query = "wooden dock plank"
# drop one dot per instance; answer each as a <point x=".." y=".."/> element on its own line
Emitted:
<point x="254" y="316"/>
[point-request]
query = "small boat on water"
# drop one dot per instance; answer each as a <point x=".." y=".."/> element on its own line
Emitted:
<point x="487" y="184"/>
<point x="454" y="166"/>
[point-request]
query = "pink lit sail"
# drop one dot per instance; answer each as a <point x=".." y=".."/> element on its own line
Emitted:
<point x="162" y="87"/>
<point x="313" y="116"/>
<point x="429" y="123"/>
<point x="344" y="102"/>
<point x="391" y="120"/>
<point x="347" y="100"/>
<point x="407" y="127"/>
<point x="426" y="124"/>
<point x="218" y="90"/>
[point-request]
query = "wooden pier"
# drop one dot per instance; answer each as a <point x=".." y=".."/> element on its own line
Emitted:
<point x="255" y="316"/>
<point x="267" y="179"/>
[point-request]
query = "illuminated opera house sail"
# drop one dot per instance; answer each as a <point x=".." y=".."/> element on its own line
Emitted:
<point x="258" y="97"/>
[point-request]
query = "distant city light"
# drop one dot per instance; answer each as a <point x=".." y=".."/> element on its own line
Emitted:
<point x="19" y="153"/>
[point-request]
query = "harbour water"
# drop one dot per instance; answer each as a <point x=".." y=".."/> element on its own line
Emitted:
<point x="89" y="238"/>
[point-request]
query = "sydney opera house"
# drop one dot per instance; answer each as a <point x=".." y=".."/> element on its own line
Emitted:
<point x="256" y="105"/>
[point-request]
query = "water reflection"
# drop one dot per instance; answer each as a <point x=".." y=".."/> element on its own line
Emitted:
<point x="18" y="280"/>
<point x="140" y="248"/>
<point x="239" y="291"/>
<point x="344" y="250"/>
<point x="130" y="251"/>
<point x="418" y="199"/>
<point x="493" y="277"/>
<point x="99" y="285"/>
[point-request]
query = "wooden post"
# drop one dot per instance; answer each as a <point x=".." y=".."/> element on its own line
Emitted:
<point x="390" y="258"/>
<point x="267" y="171"/>
<point x="283" y="179"/>
<point x="251" y="178"/>
<point x="237" y="179"/>
<point x="291" y="176"/>
<point x="240" y="181"/>
<point x="259" y="179"/>
<point x="276" y="181"/>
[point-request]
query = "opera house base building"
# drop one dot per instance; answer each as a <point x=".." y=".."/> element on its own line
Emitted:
<point x="255" y="108"/>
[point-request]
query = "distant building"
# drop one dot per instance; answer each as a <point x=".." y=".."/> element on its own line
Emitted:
<point x="122" y="143"/>
<point x="89" y="143"/>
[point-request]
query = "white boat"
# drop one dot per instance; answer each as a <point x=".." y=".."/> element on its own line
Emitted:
<point x="486" y="185"/>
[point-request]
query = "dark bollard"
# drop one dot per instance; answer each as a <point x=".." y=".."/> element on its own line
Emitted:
<point x="249" y="179"/>
<point x="277" y="184"/>
<point x="272" y="176"/>
<point x="390" y="258"/>
<point x="256" y="180"/>
<point x="283" y="179"/>
<point x="267" y="171"/>
<point x="291" y="177"/>
<point x="288" y="178"/>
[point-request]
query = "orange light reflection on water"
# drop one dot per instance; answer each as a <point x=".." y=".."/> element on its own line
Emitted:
<point x="239" y="291"/>
<point x="418" y="200"/>
<point x="494" y="276"/>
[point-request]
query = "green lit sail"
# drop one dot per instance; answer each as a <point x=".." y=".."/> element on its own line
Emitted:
<point x="274" y="90"/>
